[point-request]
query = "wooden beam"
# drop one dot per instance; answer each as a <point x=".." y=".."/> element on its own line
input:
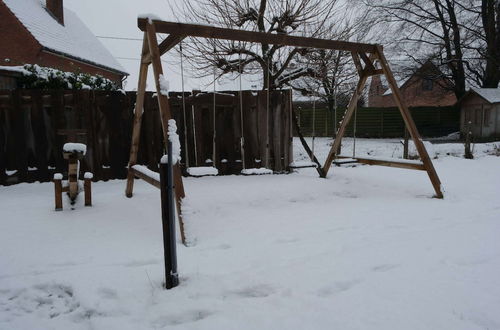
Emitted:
<point x="213" y="32"/>
<point x="170" y="42"/>
<point x="410" y="124"/>
<point x="353" y="103"/>
<point x="145" y="177"/>
<point x="138" y="111"/>
<point x="368" y="63"/>
<point x="407" y="164"/>
<point x="357" y="63"/>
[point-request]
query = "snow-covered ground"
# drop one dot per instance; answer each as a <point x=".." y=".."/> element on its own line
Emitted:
<point x="367" y="248"/>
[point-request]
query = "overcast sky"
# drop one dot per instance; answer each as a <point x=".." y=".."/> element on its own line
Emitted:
<point x="118" y="18"/>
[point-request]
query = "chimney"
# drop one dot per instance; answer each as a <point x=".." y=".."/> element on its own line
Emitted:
<point x="55" y="8"/>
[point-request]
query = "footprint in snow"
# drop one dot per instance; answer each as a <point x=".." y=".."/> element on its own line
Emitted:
<point x="46" y="300"/>
<point x="287" y="240"/>
<point x="182" y="318"/>
<point x="337" y="287"/>
<point x="384" y="267"/>
<point x="256" y="291"/>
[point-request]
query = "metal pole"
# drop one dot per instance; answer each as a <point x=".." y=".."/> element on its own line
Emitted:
<point x="168" y="223"/>
<point x="242" y="138"/>
<point x="266" y="161"/>
<point x="354" y="132"/>
<point x="186" y="154"/>
<point x="214" y="124"/>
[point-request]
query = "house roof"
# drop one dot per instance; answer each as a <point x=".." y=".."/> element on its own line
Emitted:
<point x="492" y="95"/>
<point x="73" y="39"/>
<point x="428" y="65"/>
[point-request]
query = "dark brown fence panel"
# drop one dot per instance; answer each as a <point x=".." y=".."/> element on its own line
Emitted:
<point x="34" y="125"/>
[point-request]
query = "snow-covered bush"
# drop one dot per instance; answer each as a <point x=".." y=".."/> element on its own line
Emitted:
<point x="37" y="77"/>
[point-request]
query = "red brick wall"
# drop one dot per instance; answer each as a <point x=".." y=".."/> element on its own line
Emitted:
<point x="19" y="46"/>
<point x="413" y="93"/>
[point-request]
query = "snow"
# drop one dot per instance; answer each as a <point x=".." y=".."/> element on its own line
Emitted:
<point x="19" y="69"/>
<point x="173" y="137"/>
<point x="413" y="153"/>
<point x="88" y="175"/>
<point x="146" y="171"/>
<point x="73" y="38"/>
<point x="164" y="85"/>
<point x="58" y="176"/>
<point x="202" y="171"/>
<point x="366" y="248"/>
<point x="256" y="171"/>
<point x="491" y="95"/>
<point x="75" y="147"/>
<point x="149" y="17"/>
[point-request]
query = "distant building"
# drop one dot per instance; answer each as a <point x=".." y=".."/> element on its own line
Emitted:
<point x="481" y="107"/>
<point x="45" y="33"/>
<point x="426" y="87"/>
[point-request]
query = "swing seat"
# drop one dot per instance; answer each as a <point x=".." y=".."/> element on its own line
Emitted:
<point x="345" y="161"/>
<point x="201" y="171"/>
<point x="302" y="164"/>
<point x="256" y="171"/>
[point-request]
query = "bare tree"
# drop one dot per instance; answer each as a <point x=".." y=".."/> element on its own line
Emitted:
<point x="298" y="17"/>
<point x="331" y="75"/>
<point x="461" y="35"/>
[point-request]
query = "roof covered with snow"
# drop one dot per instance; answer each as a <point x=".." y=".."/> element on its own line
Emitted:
<point x="491" y="95"/>
<point x="73" y="38"/>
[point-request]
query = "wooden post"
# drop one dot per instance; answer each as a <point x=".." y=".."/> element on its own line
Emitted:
<point x="139" y="109"/>
<point x="73" y="177"/>
<point x="468" y="151"/>
<point x="168" y="223"/>
<point x="58" y="191"/>
<point x="410" y="124"/>
<point x="406" y="145"/>
<point x="87" y="187"/>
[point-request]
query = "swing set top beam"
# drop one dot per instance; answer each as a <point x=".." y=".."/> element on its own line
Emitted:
<point x="206" y="31"/>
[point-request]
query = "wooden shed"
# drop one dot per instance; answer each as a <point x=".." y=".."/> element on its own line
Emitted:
<point x="481" y="107"/>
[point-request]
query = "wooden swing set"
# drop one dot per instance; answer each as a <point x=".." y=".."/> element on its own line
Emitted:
<point x="369" y="60"/>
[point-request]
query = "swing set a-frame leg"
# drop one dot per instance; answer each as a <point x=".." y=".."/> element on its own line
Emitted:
<point x="364" y="73"/>
<point x="345" y="121"/>
<point x="138" y="111"/>
<point x="410" y="124"/>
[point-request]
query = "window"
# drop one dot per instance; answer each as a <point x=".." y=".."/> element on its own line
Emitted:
<point x="427" y="84"/>
<point x="486" y="119"/>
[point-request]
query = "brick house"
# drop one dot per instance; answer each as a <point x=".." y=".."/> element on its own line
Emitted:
<point x="425" y="87"/>
<point x="43" y="32"/>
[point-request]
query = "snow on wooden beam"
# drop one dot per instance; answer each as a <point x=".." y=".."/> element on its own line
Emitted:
<point x="206" y="31"/>
<point x="390" y="162"/>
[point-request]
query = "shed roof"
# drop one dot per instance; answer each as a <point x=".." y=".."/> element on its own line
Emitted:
<point x="72" y="39"/>
<point x="492" y="95"/>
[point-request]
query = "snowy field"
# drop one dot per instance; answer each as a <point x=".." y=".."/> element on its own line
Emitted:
<point x="367" y="248"/>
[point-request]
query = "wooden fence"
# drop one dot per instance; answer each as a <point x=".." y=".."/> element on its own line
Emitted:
<point x="381" y="122"/>
<point x="35" y="124"/>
